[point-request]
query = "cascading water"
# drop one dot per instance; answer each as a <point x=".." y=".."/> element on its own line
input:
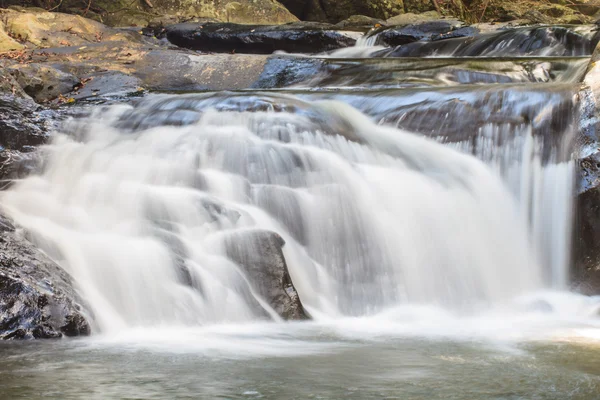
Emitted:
<point x="373" y="217"/>
<point x="420" y="208"/>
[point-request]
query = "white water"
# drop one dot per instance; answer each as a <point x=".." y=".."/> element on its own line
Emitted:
<point x="374" y="218"/>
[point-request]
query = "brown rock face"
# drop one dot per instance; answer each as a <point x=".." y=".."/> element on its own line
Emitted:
<point x="141" y="12"/>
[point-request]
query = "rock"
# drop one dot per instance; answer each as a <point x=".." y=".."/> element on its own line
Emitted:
<point x="282" y="71"/>
<point x="16" y="164"/>
<point x="335" y="11"/>
<point x="259" y="254"/>
<point x="43" y="82"/>
<point x="360" y="23"/>
<point x="586" y="7"/>
<point x="49" y="29"/>
<point x="24" y="125"/>
<point x="412" y="18"/>
<point x="156" y="25"/>
<point x="585" y="272"/>
<point x="21" y="124"/>
<point x="238" y="11"/>
<point x="401" y="35"/>
<point x="107" y="84"/>
<point x="37" y="300"/>
<point x="140" y="13"/>
<point x="169" y="70"/>
<point x="256" y="39"/>
<point x="535" y="11"/>
<point x="8" y="43"/>
<point x="557" y="41"/>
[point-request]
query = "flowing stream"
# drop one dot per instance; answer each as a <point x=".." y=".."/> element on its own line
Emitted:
<point x="426" y="207"/>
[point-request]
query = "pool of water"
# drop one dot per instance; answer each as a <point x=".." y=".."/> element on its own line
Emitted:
<point x="419" y="355"/>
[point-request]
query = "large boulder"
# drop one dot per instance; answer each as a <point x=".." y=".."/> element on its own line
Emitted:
<point x="38" y="28"/>
<point x="141" y="12"/>
<point x="260" y="257"/>
<point x="256" y="39"/>
<point x="37" y="300"/>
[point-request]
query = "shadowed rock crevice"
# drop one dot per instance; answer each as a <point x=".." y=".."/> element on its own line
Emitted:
<point x="260" y="257"/>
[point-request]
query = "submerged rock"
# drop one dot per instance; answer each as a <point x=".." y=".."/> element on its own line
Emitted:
<point x="256" y="39"/>
<point x="37" y="300"/>
<point x="282" y="71"/>
<point x="259" y="254"/>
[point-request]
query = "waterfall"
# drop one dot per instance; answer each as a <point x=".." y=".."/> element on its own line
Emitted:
<point x="372" y="216"/>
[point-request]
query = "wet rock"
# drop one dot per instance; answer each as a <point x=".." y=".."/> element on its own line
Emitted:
<point x="282" y="71"/>
<point x="256" y="39"/>
<point x="585" y="272"/>
<point x="259" y="254"/>
<point x="21" y="126"/>
<point x="43" y="82"/>
<point x="16" y="164"/>
<point x="109" y="84"/>
<point x="428" y="72"/>
<point x="170" y="70"/>
<point x="401" y="35"/>
<point x="558" y="41"/>
<point x="37" y="300"/>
